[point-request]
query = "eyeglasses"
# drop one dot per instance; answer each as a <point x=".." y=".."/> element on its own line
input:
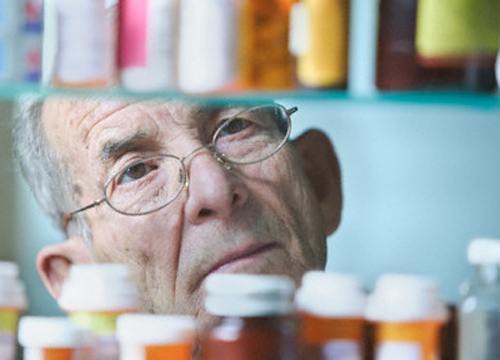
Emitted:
<point x="149" y="184"/>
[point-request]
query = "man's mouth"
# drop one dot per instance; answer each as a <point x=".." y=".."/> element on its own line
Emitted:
<point x="238" y="257"/>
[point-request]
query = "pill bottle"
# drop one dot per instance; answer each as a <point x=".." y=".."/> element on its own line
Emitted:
<point x="459" y="55"/>
<point x="80" y="43"/>
<point x="208" y="45"/>
<point x="397" y="67"/>
<point x="148" y="44"/>
<point x="12" y="303"/>
<point x="93" y="296"/>
<point x="323" y="29"/>
<point x="53" y="338"/>
<point x="153" y="336"/>
<point x="479" y="305"/>
<point x="253" y="318"/>
<point x="264" y="59"/>
<point x="331" y="308"/>
<point x="408" y="315"/>
<point x="10" y="23"/>
<point x="29" y="50"/>
<point x="32" y="16"/>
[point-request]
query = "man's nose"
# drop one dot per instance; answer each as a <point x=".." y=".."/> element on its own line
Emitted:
<point x="214" y="191"/>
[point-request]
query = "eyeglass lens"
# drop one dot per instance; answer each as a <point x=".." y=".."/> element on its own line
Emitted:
<point x="150" y="184"/>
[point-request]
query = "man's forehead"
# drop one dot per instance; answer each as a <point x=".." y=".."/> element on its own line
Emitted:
<point x="87" y="112"/>
<point x="77" y="117"/>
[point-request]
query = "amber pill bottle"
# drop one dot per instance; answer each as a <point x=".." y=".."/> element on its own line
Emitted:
<point x="53" y="338"/>
<point x="155" y="336"/>
<point x="331" y="309"/>
<point x="254" y="318"/>
<point x="408" y="314"/>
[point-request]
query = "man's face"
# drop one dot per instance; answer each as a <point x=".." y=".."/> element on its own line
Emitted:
<point x="261" y="218"/>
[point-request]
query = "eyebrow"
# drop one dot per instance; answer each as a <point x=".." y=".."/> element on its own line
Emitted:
<point x="114" y="149"/>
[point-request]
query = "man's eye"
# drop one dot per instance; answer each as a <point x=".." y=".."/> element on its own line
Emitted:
<point x="134" y="172"/>
<point x="234" y="126"/>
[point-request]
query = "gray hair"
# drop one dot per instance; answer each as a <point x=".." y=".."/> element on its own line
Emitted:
<point x="45" y="173"/>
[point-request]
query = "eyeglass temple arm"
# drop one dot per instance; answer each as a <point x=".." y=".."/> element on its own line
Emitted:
<point x="292" y="110"/>
<point x="68" y="216"/>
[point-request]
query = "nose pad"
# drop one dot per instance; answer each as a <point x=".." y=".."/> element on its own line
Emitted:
<point x="181" y="177"/>
<point x="220" y="159"/>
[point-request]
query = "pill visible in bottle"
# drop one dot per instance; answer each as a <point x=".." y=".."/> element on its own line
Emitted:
<point x="93" y="296"/>
<point x="331" y="308"/>
<point x="53" y="338"/>
<point x="80" y="42"/>
<point x="253" y="318"/>
<point x="408" y="314"/>
<point x="154" y="336"/>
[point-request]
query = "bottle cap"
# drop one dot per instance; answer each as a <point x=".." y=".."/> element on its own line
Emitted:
<point x="403" y="298"/>
<point x="155" y="329"/>
<point x="328" y="294"/>
<point x="484" y="251"/>
<point x="51" y="332"/>
<point x="12" y="290"/>
<point x="98" y="287"/>
<point x="249" y="294"/>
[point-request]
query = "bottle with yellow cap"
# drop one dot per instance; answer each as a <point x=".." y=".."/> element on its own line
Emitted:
<point x="94" y="295"/>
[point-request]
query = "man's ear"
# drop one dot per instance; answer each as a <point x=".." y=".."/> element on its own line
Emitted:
<point x="323" y="170"/>
<point x="54" y="261"/>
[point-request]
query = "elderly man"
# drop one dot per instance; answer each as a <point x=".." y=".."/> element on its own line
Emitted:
<point x="177" y="190"/>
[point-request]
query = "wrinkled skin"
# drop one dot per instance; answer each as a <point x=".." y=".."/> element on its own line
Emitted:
<point x="269" y="217"/>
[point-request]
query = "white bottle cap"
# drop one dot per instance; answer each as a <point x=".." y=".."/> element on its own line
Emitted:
<point x="249" y="294"/>
<point x="403" y="298"/>
<point x="98" y="287"/>
<point x="51" y="332"/>
<point x="12" y="290"/>
<point x="328" y="294"/>
<point x="147" y="329"/>
<point x="484" y="251"/>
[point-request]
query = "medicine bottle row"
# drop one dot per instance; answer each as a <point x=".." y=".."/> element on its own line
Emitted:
<point x="328" y="316"/>
<point x="227" y="46"/>
<point x="193" y="46"/>
<point x="258" y="317"/>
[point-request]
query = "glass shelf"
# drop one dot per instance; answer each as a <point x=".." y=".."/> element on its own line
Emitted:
<point x="452" y="98"/>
